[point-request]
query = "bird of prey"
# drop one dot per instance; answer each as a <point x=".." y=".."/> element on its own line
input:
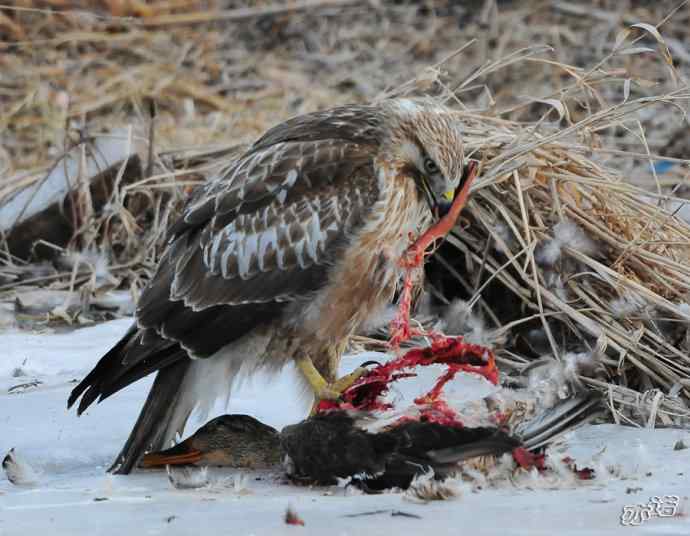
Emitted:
<point x="281" y="258"/>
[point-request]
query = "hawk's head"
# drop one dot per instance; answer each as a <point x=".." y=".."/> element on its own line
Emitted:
<point x="425" y="140"/>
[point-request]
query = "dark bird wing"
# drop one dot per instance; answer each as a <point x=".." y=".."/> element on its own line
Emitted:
<point x="424" y="446"/>
<point x="260" y="237"/>
<point x="330" y="446"/>
<point x="552" y="423"/>
<point x="263" y="237"/>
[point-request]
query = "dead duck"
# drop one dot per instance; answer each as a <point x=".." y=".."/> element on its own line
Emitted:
<point x="336" y="444"/>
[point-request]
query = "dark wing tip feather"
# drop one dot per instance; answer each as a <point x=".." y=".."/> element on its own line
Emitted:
<point x="88" y="398"/>
<point x="144" y="368"/>
<point x="76" y="393"/>
<point x="126" y="362"/>
<point x="92" y="378"/>
<point x="494" y="443"/>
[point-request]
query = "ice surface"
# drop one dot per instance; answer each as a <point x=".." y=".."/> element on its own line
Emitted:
<point x="74" y="495"/>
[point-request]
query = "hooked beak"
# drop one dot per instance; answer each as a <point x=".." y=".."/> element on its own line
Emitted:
<point x="440" y="207"/>
<point x="444" y="204"/>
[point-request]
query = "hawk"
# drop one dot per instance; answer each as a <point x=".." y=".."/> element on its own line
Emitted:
<point x="280" y="259"/>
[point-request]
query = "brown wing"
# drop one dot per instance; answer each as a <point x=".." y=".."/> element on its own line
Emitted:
<point x="264" y="235"/>
<point x="356" y="123"/>
<point x="268" y="232"/>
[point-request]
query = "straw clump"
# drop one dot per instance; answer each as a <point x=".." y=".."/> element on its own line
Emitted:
<point x="590" y="257"/>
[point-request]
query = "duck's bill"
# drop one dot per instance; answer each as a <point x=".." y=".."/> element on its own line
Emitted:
<point x="180" y="454"/>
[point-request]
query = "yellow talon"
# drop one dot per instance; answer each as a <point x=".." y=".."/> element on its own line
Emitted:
<point x="321" y="388"/>
<point x="344" y="383"/>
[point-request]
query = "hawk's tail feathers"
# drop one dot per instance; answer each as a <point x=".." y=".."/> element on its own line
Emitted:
<point x="163" y="416"/>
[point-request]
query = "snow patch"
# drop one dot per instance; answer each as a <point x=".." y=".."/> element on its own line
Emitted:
<point x="74" y="496"/>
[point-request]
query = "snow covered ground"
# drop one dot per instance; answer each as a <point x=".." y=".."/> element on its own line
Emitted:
<point x="74" y="495"/>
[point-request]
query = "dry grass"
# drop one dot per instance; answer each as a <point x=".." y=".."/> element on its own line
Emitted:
<point x="564" y="107"/>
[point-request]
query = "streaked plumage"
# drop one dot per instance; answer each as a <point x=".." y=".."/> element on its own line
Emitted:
<point x="281" y="258"/>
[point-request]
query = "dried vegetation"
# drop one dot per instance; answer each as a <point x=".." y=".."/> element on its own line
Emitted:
<point x="576" y="242"/>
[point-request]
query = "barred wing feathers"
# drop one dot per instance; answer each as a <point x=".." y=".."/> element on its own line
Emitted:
<point x="263" y="235"/>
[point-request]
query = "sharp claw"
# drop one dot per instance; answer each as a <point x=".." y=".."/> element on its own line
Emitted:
<point x="328" y="393"/>
<point x="368" y="363"/>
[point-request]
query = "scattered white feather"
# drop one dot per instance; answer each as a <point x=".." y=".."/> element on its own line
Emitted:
<point x="18" y="470"/>
<point x="288" y="465"/>
<point x="554" y="282"/>
<point x="555" y="379"/>
<point x="629" y="304"/>
<point x="425" y="488"/>
<point x="188" y="477"/>
<point x="97" y="262"/>
<point x="565" y="234"/>
<point x="71" y="454"/>
<point x="547" y="382"/>
<point x="458" y="319"/>
<point x="549" y="253"/>
<point x="238" y="483"/>
<point x="557" y="476"/>
<point x="476" y="473"/>
<point x="343" y="482"/>
<point x="500" y="472"/>
<point x="580" y="363"/>
<point x="505" y="233"/>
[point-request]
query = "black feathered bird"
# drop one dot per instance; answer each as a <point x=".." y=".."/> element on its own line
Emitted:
<point x="335" y="444"/>
<point x="329" y="446"/>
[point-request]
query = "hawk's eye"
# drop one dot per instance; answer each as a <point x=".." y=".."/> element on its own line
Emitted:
<point x="430" y="166"/>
